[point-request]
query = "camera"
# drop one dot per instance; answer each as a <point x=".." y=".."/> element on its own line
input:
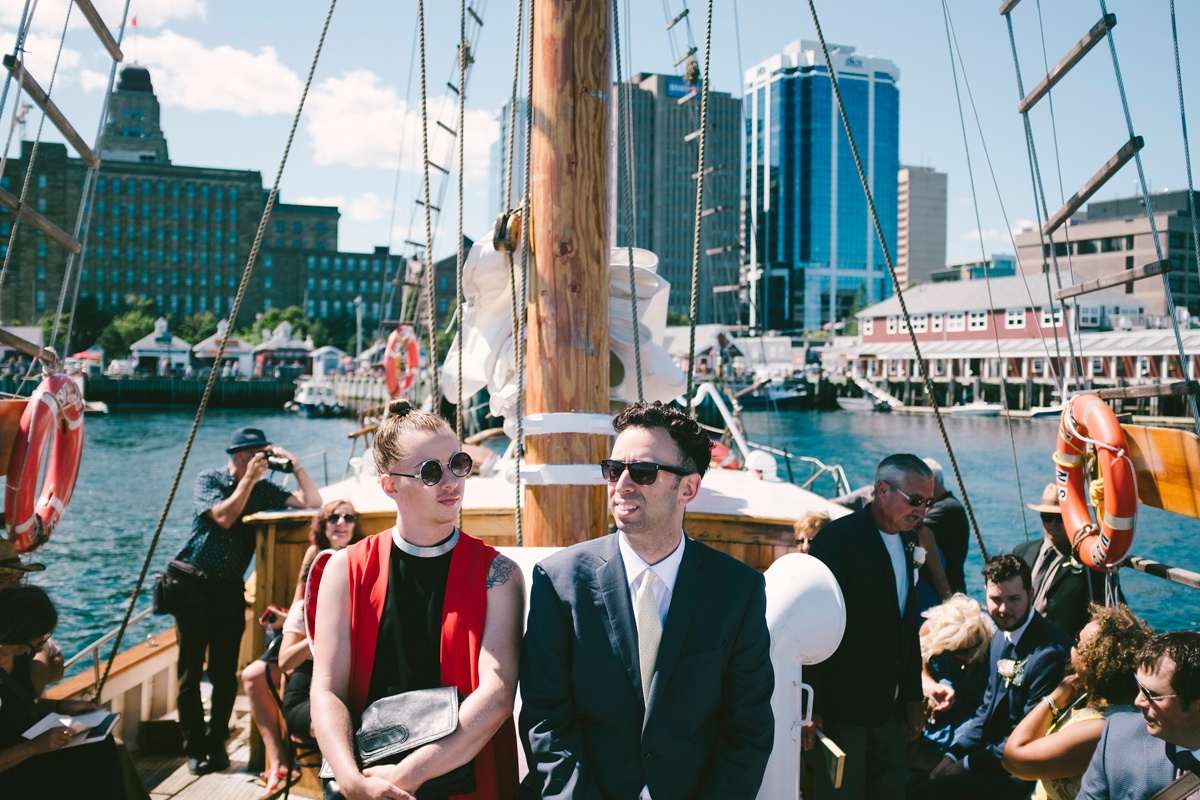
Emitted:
<point x="277" y="464"/>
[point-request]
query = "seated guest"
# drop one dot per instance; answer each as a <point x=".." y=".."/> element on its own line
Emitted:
<point x="1138" y="756"/>
<point x="334" y="526"/>
<point x="947" y="520"/>
<point x="42" y="767"/>
<point x="1055" y="741"/>
<point x="47" y="659"/>
<point x="1062" y="587"/>
<point x="806" y="528"/>
<point x="955" y="640"/>
<point x="1026" y="663"/>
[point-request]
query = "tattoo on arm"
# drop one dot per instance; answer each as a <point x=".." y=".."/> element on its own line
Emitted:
<point x="500" y="571"/>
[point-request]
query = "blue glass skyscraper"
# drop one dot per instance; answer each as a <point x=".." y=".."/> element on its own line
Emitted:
<point x="812" y="246"/>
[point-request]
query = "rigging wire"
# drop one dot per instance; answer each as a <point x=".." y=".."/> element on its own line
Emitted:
<point x="21" y="27"/>
<point x="1003" y="362"/>
<point x="1003" y="210"/>
<point x="887" y="256"/>
<point x="1137" y="157"/>
<point x="699" y="208"/>
<point x="1187" y="155"/>
<point x="434" y="396"/>
<point x="464" y="57"/>
<point x="625" y="137"/>
<point x="526" y="236"/>
<point x="212" y="376"/>
<point x="517" y="311"/>
<point x="22" y="35"/>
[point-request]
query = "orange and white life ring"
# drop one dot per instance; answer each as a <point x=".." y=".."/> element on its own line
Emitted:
<point x="401" y="359"/>
<point x="56" y="406"/>
<point x="723" y="457"/>
<point x="1087" y="420"/>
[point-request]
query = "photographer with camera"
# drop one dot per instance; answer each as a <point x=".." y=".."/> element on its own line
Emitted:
<point x="203" y="586"/>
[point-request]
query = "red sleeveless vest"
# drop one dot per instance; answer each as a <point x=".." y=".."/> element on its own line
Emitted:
<point x="463" y="615"/>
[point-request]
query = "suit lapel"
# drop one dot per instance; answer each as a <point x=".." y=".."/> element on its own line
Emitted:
<point x="689" y="584"/>
<point x="618" y="619"/>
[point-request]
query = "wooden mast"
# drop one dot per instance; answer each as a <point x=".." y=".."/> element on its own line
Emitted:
<point x="568" y="344"/>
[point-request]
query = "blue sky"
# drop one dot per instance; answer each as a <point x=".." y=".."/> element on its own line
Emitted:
<point x="229" y="75"/>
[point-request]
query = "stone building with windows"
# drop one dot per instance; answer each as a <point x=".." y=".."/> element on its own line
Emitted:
<point x="177" y="235"/>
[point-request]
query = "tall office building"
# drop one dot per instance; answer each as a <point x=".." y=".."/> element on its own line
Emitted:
<point x="498" y="162"/>
<point x="664" y="120"/>
<point x="812" y="245"/>
<point x="921" y="223"/>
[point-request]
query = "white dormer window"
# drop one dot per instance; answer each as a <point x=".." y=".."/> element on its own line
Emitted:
<point x="891" y="324"/>
<point x="1014" y="319"/>
<point x="868" y="326"/>
<point x="977" y="321"/>
<point x="935" y="323"/>
<point x="955" y="322"/>
<point x="1057" y="321"/>
<point x="920" y="323"/>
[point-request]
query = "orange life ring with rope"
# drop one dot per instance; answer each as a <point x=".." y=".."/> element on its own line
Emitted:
<point x="1101" y="545"/>
<point x="401" y="359"/>
<point x="55" y="406"/>
<point x="723" y="457"/>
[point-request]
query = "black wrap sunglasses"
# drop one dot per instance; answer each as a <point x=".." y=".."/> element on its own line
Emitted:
<point x="643" y="473"/>
<point x="430" y="472"/>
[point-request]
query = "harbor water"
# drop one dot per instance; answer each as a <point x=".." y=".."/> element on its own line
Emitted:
<point x="130" y="457"/>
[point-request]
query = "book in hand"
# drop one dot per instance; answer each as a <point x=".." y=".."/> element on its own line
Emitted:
<point x="828" y="756"/>
<point x="90" y="727"/>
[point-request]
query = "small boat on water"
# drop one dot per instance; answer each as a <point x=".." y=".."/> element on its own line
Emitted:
<point x="1046" y="412"/>
<point x="862" y="404"/>
<point x="977" y="410"/>
<point x="315" y="397"/>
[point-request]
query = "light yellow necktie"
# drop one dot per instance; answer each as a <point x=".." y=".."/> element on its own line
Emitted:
<point x="649" y="627"/>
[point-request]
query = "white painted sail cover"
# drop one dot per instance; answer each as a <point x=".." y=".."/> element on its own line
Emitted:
<point x="488" y="356"/>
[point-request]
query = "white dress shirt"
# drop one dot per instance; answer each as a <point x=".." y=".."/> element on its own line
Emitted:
<point x="895" y="547"/>
<point x="666" y="570"/>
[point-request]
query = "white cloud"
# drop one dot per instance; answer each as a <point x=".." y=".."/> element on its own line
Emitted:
<point x="185" y="73"/>
<point x="1024" y="226"/>
<point x="367" y="207"/>
<point x="41" y="48"/>
<point x="49" y="16"/>
<point x="989" y="235"/>
<point x="359" y="121"/>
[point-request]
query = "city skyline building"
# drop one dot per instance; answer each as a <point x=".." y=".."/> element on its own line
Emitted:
<point x="664" y="123"/>
<point x="498" y="162"/>
<point x="920" y="224"/>
<point x="812" y="248"/>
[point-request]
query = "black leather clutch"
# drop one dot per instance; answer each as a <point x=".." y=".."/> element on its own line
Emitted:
<point x="393" y="727"/>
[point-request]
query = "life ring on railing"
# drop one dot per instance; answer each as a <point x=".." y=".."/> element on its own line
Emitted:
<point x="1087" y="420"/>
<point x="723" y="457"/>
<point x="311" y="588"/>
<point x="55" y="406"/>
<point x="401" y="359"/>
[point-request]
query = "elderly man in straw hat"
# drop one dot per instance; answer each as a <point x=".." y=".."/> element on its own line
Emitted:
<point x="1062" y="586"/>
<point x="48" y="659"/>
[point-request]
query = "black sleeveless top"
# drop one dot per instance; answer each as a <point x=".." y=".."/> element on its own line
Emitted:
<point x="408" y="650"/>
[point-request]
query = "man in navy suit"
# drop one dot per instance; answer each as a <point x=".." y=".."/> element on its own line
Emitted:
<point x="1028" y="660"/>
<point x="1140" y="755"/>
<point x="867" y="695"/>
<point x="646" y="669"/>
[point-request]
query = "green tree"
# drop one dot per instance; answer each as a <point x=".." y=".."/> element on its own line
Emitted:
<point x="855" y="306"/>
<point x="195" y="328"/>
<point x="270" y="319"/>
<point x="84" y="332"/>
<point x="136" y="321"/>
<point x="677" y="318"/>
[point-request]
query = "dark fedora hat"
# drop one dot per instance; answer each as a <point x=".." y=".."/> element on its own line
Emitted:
<point x="246" y="439"/>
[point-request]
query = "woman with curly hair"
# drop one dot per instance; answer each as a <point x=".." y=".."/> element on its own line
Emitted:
<point x="1055" y="742"/>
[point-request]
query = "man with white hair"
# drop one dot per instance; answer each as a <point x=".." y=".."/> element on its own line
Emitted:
<point x="947" y="519"/>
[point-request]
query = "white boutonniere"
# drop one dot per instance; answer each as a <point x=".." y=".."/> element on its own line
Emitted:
<point x="916" y="558"/>
<point x="1012" y="671"/>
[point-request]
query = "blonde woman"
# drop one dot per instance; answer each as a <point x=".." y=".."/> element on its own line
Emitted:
<point x="806" y="528"/>
<point x="954" y="651"/>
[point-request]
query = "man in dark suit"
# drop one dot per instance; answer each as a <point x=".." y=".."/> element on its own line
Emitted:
<point x="1140" y="755"/>
<point x="1028" y="660"/>
<point x="646" y="669"/>
<point x="867" y="695"/>
<point x="1062" y="588"/>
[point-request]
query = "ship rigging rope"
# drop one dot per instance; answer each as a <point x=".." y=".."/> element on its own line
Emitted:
<point x="517" y="311"/>
<point x="434" y="396"/>
<point x="212" y="376"/>
<point x="21" y="27"/>
<point x="1000" y="360"/>
<point x="464" y="57"/>
<point x="1187" y="155"/>
<point x="526" y="250"/>
<point x="1041" y="212"/>
<point x="1137" y="157"/>
<point x="691" y="370"/>
<point x="625" y="138"/>
<point x="887" y="257"/>
<point x="1003" y="210"/>
<point x="22" y="35"/>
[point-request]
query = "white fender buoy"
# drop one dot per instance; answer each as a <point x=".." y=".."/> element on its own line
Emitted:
<point x="806" y="616"/>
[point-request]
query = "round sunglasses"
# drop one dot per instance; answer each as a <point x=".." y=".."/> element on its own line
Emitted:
<point x="336" y="518"/>
<point x="430" y="472"/>
<point x="643" y="473"/>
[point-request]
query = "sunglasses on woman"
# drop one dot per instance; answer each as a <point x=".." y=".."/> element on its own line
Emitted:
<point x="430" y="472"/>
<point x="336" y="518"/>
<point x="643" y="473"/>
